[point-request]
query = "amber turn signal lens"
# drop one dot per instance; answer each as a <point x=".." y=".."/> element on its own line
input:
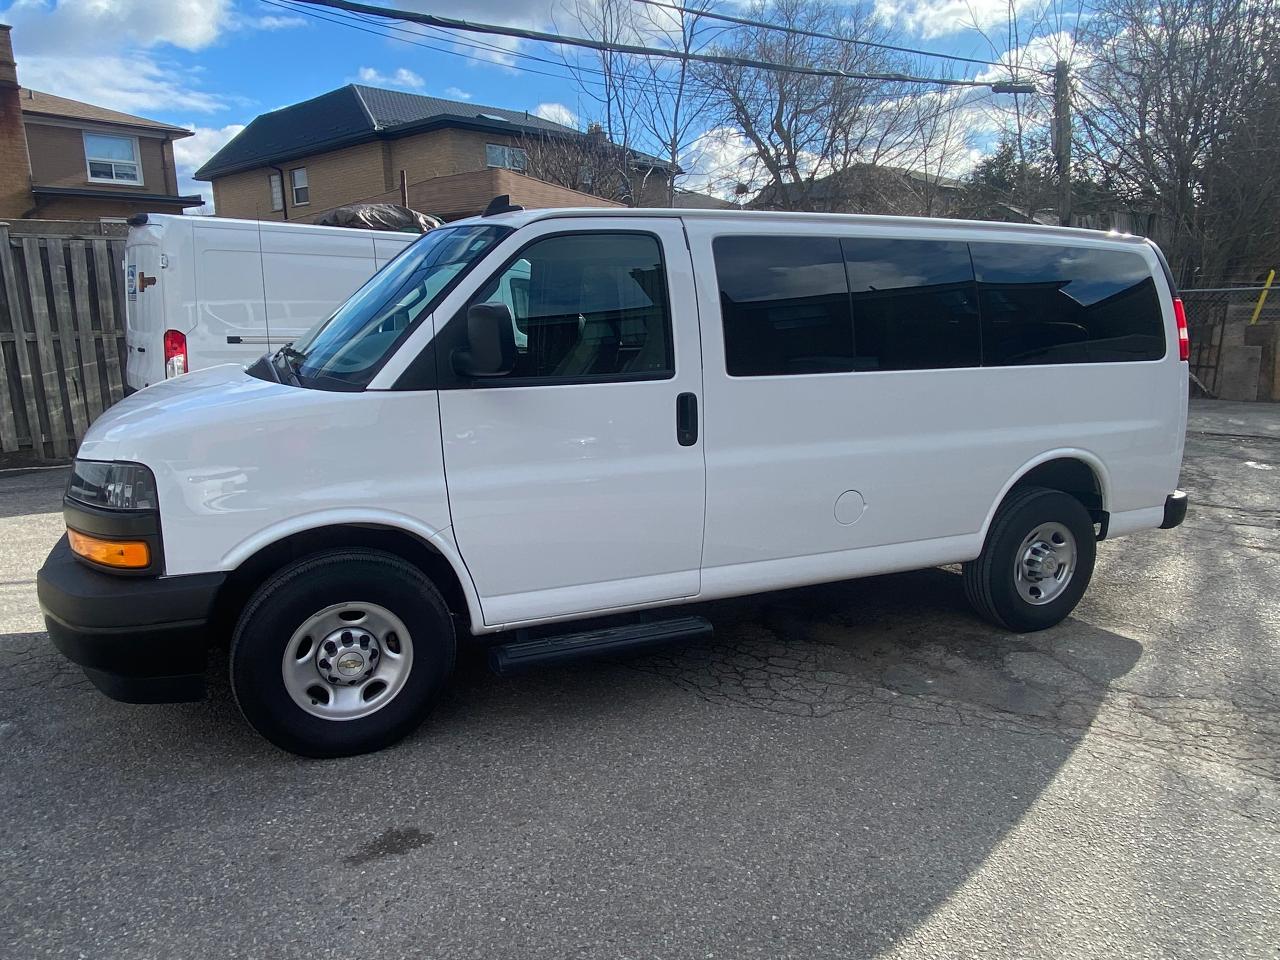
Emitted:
<point x="128" y="554"/>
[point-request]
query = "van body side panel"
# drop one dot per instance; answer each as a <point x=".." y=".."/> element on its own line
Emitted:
<point x="310" y="458"/>
<point x="855" y="467"/>
<point x="308" y="274"/>
<point x="572" y="498"/>
<point x="230" y="285"/>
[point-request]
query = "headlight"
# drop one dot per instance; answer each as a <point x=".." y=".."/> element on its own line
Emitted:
<point x="118" y="486"/>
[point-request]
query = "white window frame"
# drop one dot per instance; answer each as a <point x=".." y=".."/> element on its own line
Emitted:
<point x="137" y="158"/>
<point x="294" y="186"/>
<point x="507" y="152"/>
<point x="275" y="187"/>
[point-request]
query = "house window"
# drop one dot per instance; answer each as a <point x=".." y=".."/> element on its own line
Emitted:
<point x="277" y="191"/>
<point x="301" y="192"/>
<point x="510" y="158"/>
<point x="112" y="159"/>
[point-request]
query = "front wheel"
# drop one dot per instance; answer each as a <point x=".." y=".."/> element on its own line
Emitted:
<point x="340" y="653"/>
<point x="1036" y="562"/>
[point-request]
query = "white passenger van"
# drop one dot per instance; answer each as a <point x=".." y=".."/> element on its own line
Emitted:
<point x="702" y="405"/>
<point x="200" y="291"/>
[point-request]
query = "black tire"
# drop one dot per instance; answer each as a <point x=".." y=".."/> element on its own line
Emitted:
<point x="299" y="591"/>
<point x="990" y="580"/>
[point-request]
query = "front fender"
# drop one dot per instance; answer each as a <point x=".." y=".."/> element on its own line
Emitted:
<point x="439" y="539"/>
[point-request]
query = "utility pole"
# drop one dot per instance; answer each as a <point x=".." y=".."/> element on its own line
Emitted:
<point x="1062" y="139"/>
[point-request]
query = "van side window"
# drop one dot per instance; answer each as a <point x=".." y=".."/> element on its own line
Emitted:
<point x="586" y="306"/>
<point x="784" y="303"/>
<point x="914" y="304"/>
<point x="1054" y="304"/>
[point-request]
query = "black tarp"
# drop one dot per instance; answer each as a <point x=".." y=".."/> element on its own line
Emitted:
<point x="379" y="216"/>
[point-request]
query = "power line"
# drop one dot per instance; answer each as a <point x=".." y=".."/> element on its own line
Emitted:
<point x="745" y="22"/>
<point x="448" y="23"/>
<point x="353" y="21"/>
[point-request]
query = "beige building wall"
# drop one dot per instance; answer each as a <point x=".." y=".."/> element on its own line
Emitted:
<point x="370" y="172"/>
<point x="334" y="178"/>
<point x="58" y="160"/>
<point x="358" y="173"/>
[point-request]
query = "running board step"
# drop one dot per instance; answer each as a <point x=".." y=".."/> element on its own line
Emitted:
<point x="520" y="655"/>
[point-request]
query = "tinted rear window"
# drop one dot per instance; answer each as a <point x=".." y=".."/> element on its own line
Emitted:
<point x="914" y="305"/>
<point x="1045" y="304"/>
<point x="784" y="302"/>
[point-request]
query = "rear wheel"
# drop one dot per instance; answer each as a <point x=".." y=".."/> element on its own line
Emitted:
<point x="1036" y="562"/>
<point x="341" y="653"/>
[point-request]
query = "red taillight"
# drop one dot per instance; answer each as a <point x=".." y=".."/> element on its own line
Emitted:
<point x="175" y="353"/>
<point x="1184" y="337"/>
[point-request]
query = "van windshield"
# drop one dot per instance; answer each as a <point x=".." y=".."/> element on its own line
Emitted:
<point x="346" y="350"/>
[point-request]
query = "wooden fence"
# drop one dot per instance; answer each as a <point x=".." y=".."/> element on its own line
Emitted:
<point x="61" y="339"/>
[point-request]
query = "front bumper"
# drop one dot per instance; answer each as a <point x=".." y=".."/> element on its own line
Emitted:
<point x="140" y="640"/>
<point x="1175" y="509"/>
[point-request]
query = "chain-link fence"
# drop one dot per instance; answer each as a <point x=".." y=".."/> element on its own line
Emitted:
<point x="1207" y="312"/>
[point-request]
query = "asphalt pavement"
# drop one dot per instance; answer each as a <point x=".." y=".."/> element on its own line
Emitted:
<point x="857" y="770"/>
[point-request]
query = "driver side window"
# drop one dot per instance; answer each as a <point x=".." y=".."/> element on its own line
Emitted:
<point x="586" y="307"/>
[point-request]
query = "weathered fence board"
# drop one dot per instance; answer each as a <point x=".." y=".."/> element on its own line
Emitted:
<point x="61" y="339"/>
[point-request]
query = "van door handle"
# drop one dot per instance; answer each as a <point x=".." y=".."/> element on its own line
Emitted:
<point x="687" y="419"/>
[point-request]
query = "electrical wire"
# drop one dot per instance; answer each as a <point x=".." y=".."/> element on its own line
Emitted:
<point x="797" y="31"/>
<point x="448" y="23"/>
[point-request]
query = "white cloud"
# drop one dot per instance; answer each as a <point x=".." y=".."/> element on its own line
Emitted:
<point x="191" y="152"/>
<point x="1040" y="53"/>
<point x="111" y="52"/>
<point x="456" y="93"/>
<point x="937" y="18"/>
<point x="46" y="26"/>
<point x="556" y="113"/>
<point x="266" y="22"/>
<point x="403" y="78"/>
<point x="717" y="162"/>
<point x="132" y="84"/>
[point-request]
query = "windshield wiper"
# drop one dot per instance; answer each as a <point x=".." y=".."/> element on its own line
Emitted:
<point x="292" y="360"/>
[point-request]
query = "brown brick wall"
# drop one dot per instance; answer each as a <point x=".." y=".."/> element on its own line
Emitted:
<point x="467" y="194"/>
<point x="370" y="172"/>
<point x="334" y="178"/>
<point x="442" y="153"/>
<point x="83" y="208"/>
<point x="15" y="173"/>
<point x="57" y="160"/>
<point x="357" y="173"/>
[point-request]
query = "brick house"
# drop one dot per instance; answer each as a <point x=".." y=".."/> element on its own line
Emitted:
<point x="62" y="159"/>
<point x="351" y="144"/>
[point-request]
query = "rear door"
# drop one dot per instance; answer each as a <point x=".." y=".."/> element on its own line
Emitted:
<point x="576" y="483"/>
<point x="144" y="321"/>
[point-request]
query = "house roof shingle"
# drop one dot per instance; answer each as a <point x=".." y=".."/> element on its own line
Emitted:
<point x="39" y="103"/>
<point x="353" y="114"/>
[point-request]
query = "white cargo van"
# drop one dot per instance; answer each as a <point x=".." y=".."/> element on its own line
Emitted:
<point x="200" y="291"/>
<point x="698" y="405"/>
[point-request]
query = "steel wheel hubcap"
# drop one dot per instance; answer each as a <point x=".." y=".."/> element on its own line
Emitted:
<point x="347" y="661"/>
<point x="1045" y="563"/>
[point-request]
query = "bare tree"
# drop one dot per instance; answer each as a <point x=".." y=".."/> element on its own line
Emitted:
<point x="1178" y="112"/>
<point x="588" y="162"/>
<point x="809" y="133"/>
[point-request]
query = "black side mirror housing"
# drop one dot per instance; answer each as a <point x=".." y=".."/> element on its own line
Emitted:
<point x="491" y="342"/>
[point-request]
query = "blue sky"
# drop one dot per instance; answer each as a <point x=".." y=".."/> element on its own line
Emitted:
<point x="213" y="65"/>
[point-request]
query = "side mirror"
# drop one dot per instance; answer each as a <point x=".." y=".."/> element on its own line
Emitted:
<point x="491" y="342"/>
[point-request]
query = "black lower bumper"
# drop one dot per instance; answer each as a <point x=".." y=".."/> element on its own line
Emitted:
<point x="140" y="640"/>
<point x="1175" y="509"/>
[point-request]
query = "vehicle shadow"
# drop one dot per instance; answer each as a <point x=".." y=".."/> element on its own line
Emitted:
<point x="818" y="779"/>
